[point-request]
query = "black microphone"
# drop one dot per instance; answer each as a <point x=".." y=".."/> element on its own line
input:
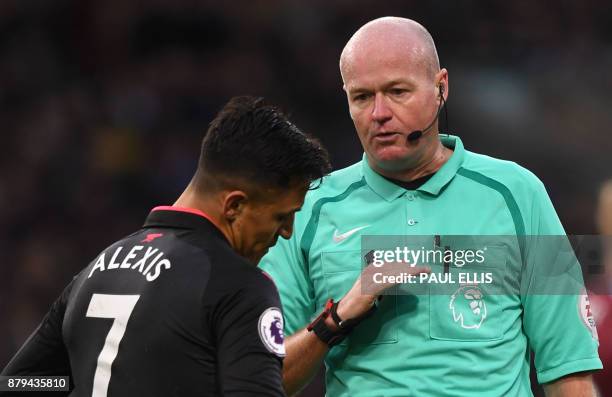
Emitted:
<point x="416" y="134"/>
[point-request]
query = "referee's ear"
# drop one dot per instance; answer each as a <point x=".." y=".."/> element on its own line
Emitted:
<point x="233" y="204"/>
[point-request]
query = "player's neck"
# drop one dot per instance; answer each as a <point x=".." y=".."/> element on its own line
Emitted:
<point x="430" y="162"/>
<point x="190" y="199"/>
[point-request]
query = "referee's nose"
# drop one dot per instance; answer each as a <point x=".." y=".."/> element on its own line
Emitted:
<point x="381" y="113"/>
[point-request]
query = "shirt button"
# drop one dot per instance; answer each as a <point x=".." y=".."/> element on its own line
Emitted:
<point x="411" y="222"/>
<point x="411" y="197"/>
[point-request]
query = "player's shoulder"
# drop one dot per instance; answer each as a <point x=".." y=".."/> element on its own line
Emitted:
<point x="237" y="273"/>
<point x="336" y="183"/>
<point x="516" y="178"/>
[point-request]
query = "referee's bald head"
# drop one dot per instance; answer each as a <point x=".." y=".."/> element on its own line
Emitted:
<point x="391" y="34"/>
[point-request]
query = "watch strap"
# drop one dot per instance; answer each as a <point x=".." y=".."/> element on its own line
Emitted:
<point x="323" y="332"/>
<point x="347" y="325"/>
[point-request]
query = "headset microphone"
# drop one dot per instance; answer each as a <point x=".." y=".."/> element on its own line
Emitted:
<point x="415" y="135"/>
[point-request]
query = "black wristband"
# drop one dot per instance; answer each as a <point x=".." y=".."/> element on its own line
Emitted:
<point x="323" y="332"/>
<point x="327" y="335"/>
<point x="345" y="327"/>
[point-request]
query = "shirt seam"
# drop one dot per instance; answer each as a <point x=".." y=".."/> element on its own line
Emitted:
<point x="313" y="222"/>
<point x="511" y="204"/>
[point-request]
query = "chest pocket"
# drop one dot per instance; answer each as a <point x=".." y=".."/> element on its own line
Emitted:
<point x="340" y="271"/>
<point x="474" y="311"/>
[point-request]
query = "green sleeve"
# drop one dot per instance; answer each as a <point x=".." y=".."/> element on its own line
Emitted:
<point x="557" y="318"/>
<point x="287" y="267"/>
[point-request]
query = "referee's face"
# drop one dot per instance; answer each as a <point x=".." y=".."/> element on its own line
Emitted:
<point x="391" y="92"/>
<point x="263" y="220"/>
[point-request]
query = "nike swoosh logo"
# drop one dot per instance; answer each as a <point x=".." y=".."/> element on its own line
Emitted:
<point x="341" y="237"/>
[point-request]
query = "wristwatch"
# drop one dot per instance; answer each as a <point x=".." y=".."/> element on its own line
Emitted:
<point x="333" y="337"/>
<point x="323" y="332"/>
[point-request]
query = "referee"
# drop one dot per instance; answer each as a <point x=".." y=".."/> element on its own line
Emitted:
<point x="467" y="340"/>
<point x="179" y="307"/>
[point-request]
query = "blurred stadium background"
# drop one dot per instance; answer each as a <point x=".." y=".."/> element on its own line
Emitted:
<point x="104" y="103"/>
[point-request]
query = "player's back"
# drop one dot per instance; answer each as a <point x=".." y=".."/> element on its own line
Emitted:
<point x="157" y="323"/>
<point x="146" y="317"/>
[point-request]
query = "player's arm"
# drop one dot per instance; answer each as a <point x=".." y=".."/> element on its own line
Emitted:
<point x="249" y="339"/>
<point x="575" y="385"/>
<point x="44" y="352"/>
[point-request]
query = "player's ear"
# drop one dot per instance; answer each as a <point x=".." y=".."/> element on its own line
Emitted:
<point x="233" y="204"/>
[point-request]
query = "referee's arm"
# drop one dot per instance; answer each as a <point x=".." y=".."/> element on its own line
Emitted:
<point x="305" y="351"/>
<point x="574" y="385"/>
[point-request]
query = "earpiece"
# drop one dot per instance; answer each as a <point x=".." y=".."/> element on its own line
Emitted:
<point x="416" y="134"/>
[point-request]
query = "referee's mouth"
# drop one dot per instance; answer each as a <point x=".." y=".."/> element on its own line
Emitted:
<point x="386" y="137"/>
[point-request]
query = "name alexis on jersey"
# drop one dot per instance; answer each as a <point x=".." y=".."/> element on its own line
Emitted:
<point x="149" y="263"/>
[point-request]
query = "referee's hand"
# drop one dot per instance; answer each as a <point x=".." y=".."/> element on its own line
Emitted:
<point x="373" y="282"/>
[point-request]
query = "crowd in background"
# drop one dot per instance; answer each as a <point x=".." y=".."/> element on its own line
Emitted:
<point x="103" y="105"/>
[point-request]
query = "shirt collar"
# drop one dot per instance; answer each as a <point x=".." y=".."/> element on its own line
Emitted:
<point x="390" y="191"/>
<point x="182" y="218"/>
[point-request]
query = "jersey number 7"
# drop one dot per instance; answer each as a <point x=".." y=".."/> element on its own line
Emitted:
<point x="119" y="308"/>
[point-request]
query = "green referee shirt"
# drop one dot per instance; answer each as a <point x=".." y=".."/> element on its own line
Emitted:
<point x="414" y="345"/>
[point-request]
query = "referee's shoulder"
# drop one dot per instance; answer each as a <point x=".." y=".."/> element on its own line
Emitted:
<point x="508" y="173"/>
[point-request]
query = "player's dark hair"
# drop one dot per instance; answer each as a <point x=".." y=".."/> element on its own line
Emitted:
<point x="253" y="142"/>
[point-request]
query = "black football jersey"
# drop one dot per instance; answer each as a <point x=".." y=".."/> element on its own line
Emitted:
<point x="171" y="310"/>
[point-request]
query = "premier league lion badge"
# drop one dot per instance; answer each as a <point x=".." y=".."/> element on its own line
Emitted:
<point x="271" y="331"/>
<point x="468" y="307"/>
